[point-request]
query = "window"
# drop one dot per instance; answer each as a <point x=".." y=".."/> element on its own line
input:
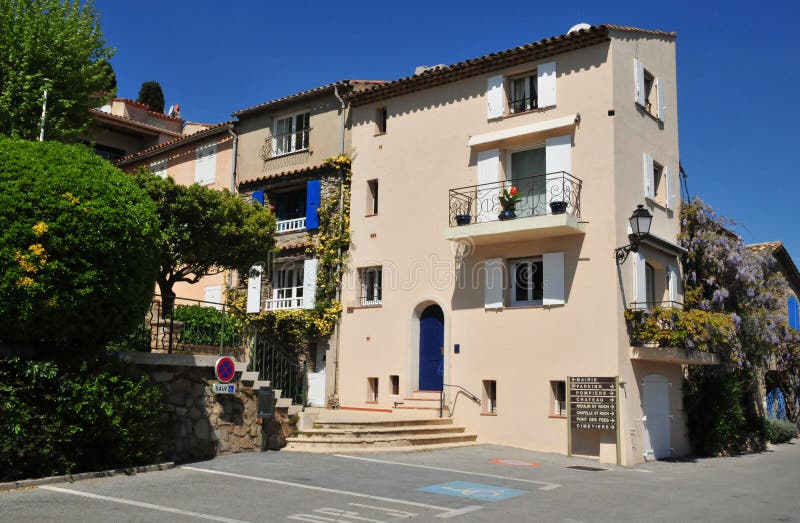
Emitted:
<point x="650" y="284"/>
<point x="558" y="398"/>
<point x="287" y="287"/>
<point x="659" y="183"/>
<point x="371" y="292"/>
<point x="523" y="93"/>
<point x="372" y="197"/>
<point x="372" y="390"/>
<point x="489" y="396"/>
<point x="381" y="115"/>
<point x="527" y="281"/>
<point x="112" y="154"/>
<point x="528" y="169"/>
<point x="159" y="168"/>
<point x="395" y="383"/>
<point x="649" y="91"/>
<point x="205" y="165"/>
<point x="290" y="209"/>
<point x="291" y="133"/>
<point x="657" y="186"/>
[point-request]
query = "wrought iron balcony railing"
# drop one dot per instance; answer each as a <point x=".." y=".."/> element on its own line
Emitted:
<point x="283" y="144"/>
<point x="540" y="195"/>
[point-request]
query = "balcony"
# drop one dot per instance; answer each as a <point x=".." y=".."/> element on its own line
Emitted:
<point x="294" y="224"/>
<point x="550" y="206"/>
<point x="664" y="332"/>
<point x="286" y="150"/>
<point x="279" y="304"/>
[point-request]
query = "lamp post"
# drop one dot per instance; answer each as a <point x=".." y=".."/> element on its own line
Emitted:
<point x="44" y="110"/>
<point x="640" y="222"/>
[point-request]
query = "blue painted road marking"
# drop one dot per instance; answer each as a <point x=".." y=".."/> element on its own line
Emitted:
<point x="478" y="491"/>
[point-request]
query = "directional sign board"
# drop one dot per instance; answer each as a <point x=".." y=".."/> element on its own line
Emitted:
<point x="225" y="369"/>
<point x="593" y="403"/>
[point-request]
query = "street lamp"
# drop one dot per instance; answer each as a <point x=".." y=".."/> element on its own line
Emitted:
<point x="44" y="110"/>
<point x="640" y="227"/>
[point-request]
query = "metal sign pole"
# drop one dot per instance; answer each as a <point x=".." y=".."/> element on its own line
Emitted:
<point x="569" y="417"/>
<point x="616" y="423"/>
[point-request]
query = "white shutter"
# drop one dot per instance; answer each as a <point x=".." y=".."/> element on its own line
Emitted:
<point x="199" y="162"/>
<point x="546" y="83"/>
<point x="672" y="185"/>
<point x="639" y="280"/>
<point x="558" y="158"/>
<point x="638" y="81"/>
<point x="660" y="94"/>
<point x="310" y="283"/>
<point x="493" y="292"/>
<point x="553" y="278"/>
<point x="488" y="172"/>
<point x="649" y="182"/>
<point x="495" y="97"/>
<point x="254" y="289"/>
<point x="674" y="282"/>
<point x="213" y="294"/>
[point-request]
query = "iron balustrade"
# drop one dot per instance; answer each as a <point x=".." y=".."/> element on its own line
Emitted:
<point x="280" y="368"/>
<point x="286" y="143"/>
<point x="540" y="195"/>
<point x="650" y="305"/>
<point x="520" y="105"/>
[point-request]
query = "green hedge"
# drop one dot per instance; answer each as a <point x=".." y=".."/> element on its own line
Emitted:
<point x="61" y="418"/>
<point x="207" y="326"/>
<point x="780" y="431"/>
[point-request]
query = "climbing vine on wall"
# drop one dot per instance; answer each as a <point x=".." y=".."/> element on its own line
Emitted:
<point x="296" y="329"/>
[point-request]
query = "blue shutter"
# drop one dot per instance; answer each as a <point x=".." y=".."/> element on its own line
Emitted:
<point x="258" y="196"/>
<point x="313" y="196"/>
<point x="794" y="320"/>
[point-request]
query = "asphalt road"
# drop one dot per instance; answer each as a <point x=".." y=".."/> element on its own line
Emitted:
<point x="462" y="484"/>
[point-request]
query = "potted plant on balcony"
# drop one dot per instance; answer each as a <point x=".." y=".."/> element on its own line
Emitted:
<point x="508" y="203"/>
<point x="463" y="217"/>
<point x="558" y="207"/>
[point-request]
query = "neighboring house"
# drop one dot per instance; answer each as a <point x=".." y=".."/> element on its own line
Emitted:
<point x="282" y="146"/>
<point x="124" y="127"/>
<point x="584" y="125"/>
<point x="204" y="157"/>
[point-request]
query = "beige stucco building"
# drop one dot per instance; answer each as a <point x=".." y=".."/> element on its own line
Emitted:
<point x="584" y="125"/>
<point x="206" y="157"/>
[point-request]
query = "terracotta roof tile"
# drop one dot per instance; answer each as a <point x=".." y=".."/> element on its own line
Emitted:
<point x="137" y="123"/>
<point x="765" y="246"/>
<point x="493" y="61"/>
<point x="303" y="94"/>
<point x="173" y="143"/>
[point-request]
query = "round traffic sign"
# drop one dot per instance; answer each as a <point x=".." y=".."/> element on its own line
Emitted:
<point x="514" y="462"/>
<point x="225" y="369"/>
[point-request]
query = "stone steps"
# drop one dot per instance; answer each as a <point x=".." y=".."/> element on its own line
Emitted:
<point x="381" y="431"/>
<point x="381" y="450"/>
<point x="343" y="444"/>
<point x="386" y="422"/>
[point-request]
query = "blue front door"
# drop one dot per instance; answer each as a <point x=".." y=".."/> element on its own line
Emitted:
<point x="431" y="348"/>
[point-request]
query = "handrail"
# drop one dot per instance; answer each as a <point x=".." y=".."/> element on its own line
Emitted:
<point x="469" y="394"/>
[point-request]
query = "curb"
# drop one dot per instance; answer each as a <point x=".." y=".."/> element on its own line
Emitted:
<point x="71" y="478"/>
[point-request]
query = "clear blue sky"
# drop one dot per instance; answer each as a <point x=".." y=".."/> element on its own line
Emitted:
<point x="738" y="70"/>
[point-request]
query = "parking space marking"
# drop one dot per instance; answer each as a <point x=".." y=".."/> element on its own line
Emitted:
<point x="545" y="485"/>
<point x="476" y="491"/>
<point x="141" y="504"/>
<point x="444" y="510"/>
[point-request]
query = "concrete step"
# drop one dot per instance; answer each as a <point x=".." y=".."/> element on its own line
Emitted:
<point x="379" y="450"/>
<point x="430" y="409"/>
<point x="376" y="432"/>
<point x="343" y="442"/>
<point x="425" y="394"/>
<point x="385" y="422"/>
<point x="260" y="383"/>
<point x="295" y="409"/>
<point x="249" y="377"/>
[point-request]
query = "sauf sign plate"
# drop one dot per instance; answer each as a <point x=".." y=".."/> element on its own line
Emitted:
<point x="224" y="388"/>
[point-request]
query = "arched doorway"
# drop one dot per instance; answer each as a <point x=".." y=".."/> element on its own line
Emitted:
<point x="431" y="348"/>
<point x="655" y="400"/>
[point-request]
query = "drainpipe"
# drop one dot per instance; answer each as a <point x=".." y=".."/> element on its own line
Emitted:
<point x="336" y="330"/>
<point x="235" y="153"/>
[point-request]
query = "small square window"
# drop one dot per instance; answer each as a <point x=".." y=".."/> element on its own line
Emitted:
<point x="558" y="398"/>
<point x="371" y="285"/>
<point x="394" y="382"/>
<point x="372" y="197"/>
<point x="381" y="116"/>
<point x="490" y="396"/>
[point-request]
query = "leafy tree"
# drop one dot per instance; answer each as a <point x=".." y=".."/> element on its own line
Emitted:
<point x="56" y="40"/>
<point x="204" y="231"/>
<point x="151" y="94"/>
<point x="78" y="246"/>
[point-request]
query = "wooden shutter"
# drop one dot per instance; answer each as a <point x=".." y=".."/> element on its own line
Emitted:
<point x="639" y="280"/>
<point x="493" y="291"/>
<point x="254" y="289"/>
<point x="553" y="278"/>
<point x="649" y="182"/>
<point x="672" y="185"/>
<point x="638" y="81"/>
<point x="310" y="283"/>
<point x="660" y="94"/>
<point x="546" y="80"/>
<point x="313" y="197"/>
<point x="488" y="173"/>
<point x="794" y="313"/>
<point x="258" y="196"/>
<point x="495" y="97"/>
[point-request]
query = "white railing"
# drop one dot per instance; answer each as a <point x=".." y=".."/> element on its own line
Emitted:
<point x="284" y="303"/>
<point x="365" y="302"/>
<point x="295" y="224"/>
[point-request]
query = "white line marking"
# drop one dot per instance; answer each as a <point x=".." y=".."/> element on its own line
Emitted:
<point x="141" y="504"/>
<point x="324" y="489"/>
<point x="545" y="485"/>
<point x="458" y="512"/>
<point x="390" y="511"/>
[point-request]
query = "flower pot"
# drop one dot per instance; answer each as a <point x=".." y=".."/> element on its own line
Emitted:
<point x="463" y="219"/>
<point x="558" y="207"/>
<point x="506" y="214"/>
